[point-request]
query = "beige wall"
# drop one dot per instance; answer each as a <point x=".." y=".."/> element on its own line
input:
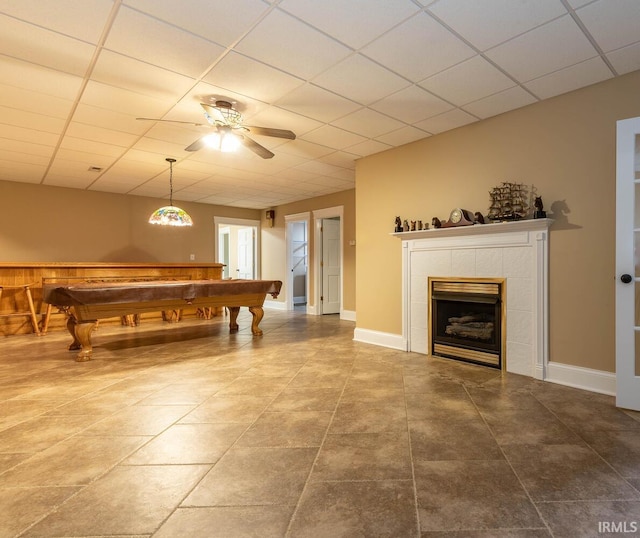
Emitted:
<point x="564" y="146"/>
<point x="274" y="255"/>
<point x="47" y="224"/>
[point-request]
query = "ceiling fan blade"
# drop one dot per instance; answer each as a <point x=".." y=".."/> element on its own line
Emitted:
<point x="256" y="148"/>
<point x="198" y="144"/>
<point x="175" y="121"/>
<point x="215" y="114"/>
<point x="268" y="131"/>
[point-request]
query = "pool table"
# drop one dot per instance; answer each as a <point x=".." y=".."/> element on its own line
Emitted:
<point x="87" y="302"/>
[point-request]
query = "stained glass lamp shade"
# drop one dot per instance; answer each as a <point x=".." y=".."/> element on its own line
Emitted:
<point x="170" y="215"/>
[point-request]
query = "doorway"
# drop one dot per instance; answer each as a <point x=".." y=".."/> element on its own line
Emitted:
<point x="328" y="260"/>
<point x="297" y="241"/>
<point x="237" y="247"/>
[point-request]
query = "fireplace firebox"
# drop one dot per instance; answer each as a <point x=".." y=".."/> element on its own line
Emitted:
<point x="466" y="320"/>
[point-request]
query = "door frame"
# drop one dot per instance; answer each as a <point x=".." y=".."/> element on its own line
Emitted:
<point x="318" y="215"/>
<point x="288" y="219"/>
<point x="219" y="222"/>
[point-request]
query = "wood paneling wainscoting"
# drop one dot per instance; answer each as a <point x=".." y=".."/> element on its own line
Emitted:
<point x="14" y="302"/>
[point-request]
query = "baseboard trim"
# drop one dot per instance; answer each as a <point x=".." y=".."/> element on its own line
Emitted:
<point x="582" y="378"/>
<point x="275" y="305"/>
<point x="348" y="315"/>
<point x="377" y="338"/>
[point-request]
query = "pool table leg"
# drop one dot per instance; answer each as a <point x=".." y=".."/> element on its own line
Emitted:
<point x="233" y="317"/>
<point x="258" y="314"/>
<point x="256" y="311"/>
<point x="81" y="334"/>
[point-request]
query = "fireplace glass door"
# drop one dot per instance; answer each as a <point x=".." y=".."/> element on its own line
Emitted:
<point x="466" y="322"/>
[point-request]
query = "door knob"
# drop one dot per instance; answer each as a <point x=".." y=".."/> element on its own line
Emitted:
<point x="626" y="278"/>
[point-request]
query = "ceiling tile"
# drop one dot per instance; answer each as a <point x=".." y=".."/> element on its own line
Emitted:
<point x="571" y="78"/>
<point x="500" y="102"/>
<point x="412" y="104"/>
<point x="31" y="120"/>
<point x="491" y="22"/>
<point x="626" y="59"/>
<point x="123" y="72"/>
<point x="603" y="15"/>
<point x="98" y="148"/>
<point x="444" y="122"/>
<point x="305" y="149"/>
<point x="276" y="38"/>
<point x="316" y="103"/>
<point x="23" y="155"/>
<point x="64" y="179"/>
<point x="145" y="38"/>
<point x="99" y="134"/>
<point x="368" y="148"/>
<point x="468" y="81"/>
<point x="333" y="137"/>
<point x="340" y="158"/>
<point x="124" y="101"/>
<point x="344" y="20"/>
<point x="284" y="119"/>
<point x="39" y="79"/>
<point x="25" y="149"/>
<point x="33" y="136"/>
<point x="368" y="123"/>
<point x="37" y="103"/>
<point x="404" y="49"/>
<point x="360" y="79"/>
<point x="83" y="20"/>
<point x="221" y="21"/>
<point x="405" y="135"/>
<point x="39" y="46"/>
<point x="252" y="78"/>
<point x="24" y="172"/>
<point x="109" y="119"/>
<point x="548" y="48"/>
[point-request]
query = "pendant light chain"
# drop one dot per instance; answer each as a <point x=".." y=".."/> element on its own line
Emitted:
<point x="170" y="161"/>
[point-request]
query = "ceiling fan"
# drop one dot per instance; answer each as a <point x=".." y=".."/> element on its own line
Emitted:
<point x="229" y="131"/>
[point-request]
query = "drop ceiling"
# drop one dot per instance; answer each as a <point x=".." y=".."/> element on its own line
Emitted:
<point x="350" y="77"/>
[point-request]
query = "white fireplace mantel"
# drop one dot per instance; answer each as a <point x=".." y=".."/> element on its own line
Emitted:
<point x="516" y="251"/>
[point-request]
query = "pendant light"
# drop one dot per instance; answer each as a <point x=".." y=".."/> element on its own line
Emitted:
<point x="170" y="215"/>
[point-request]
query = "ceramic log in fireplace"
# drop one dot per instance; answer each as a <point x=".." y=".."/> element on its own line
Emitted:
<point x="467" y="319"/>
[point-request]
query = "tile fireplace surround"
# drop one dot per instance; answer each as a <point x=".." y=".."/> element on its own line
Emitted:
<point x="516" y="251"/>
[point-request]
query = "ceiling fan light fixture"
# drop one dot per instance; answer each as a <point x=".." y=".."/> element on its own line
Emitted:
<point x="223" y="141"/>
<point x="170" y="215"/>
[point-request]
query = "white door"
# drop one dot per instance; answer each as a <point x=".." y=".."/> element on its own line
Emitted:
<point x="628" y="264"/>
<point x="331" y="266"/>
<point x="245" y="253"/>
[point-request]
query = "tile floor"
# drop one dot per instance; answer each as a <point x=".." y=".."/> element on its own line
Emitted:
<point x="182" y="430"/>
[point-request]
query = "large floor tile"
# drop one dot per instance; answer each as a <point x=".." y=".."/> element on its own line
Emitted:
<point x="255" y="476"/>
<point x="364" y="456"/>
<point x="566" y="473"/>
<point x="128" y="500"/>
<point x="459" y="495"/>
<point x="227" y="522"/>
<point x="350" y="509"/>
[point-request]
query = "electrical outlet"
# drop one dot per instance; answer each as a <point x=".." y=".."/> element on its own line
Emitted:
<point x="192" y="257"/>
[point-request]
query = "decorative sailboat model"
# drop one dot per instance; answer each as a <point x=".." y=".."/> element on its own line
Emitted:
<point x="508" y="201"/>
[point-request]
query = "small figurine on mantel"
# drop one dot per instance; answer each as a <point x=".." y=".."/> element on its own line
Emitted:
<point x="398" y="228"/>
<point x="435" y="222"/>
<point x="413" y="225"/>
<point x="405" y="225"/>
<point x="479" y="217"/>
<point x="539" y="213"/>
